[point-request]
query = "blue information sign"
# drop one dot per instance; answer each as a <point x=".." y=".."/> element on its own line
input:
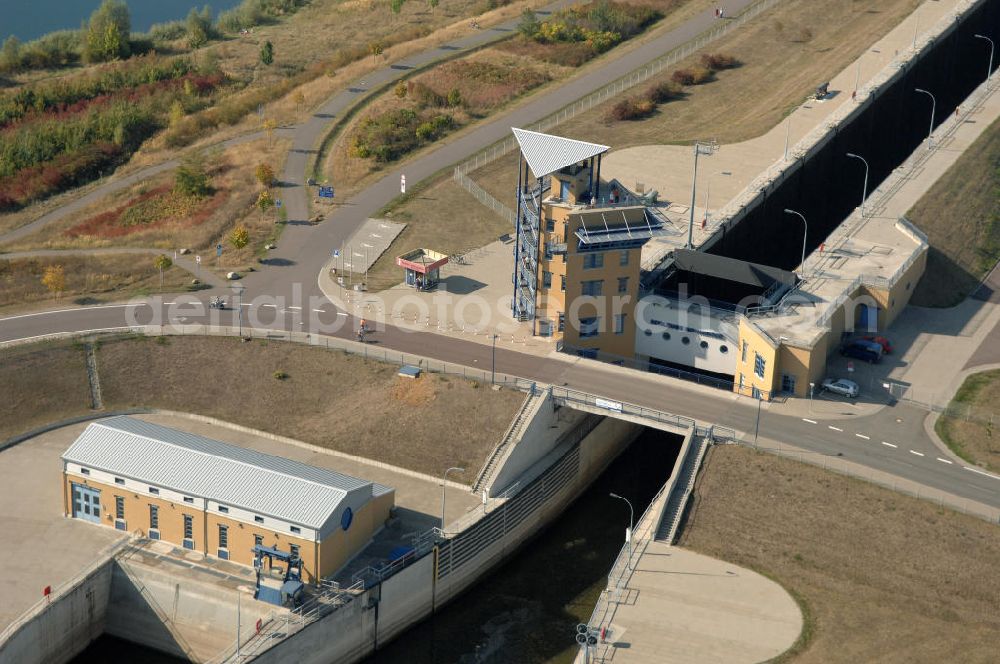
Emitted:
<point x="218" y="250"/>
<point x="326" y="192"/>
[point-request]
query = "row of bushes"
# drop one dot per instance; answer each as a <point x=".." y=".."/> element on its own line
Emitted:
<point x="104" y="80"/>
<point x="477" y="85"/>
<point x="388" y="136"/>
<point x="67" y="170"/>
<point x="642" y="106"/>
<point x="601" y="24"/>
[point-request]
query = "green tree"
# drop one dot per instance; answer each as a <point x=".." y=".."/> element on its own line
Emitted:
<point x="239" y="237"/>
<point x="264" y="174"/>
<point x="375" y="48"/>
<point x="400" y="89"/>
<point x="265" y="202"/>
<point x="176" y="113"/>
<point x="396" y="6"/>
<point x="54" y="279"/>
<point x="270" y="124"/>
<point x="267" y="53"/>
<point x="529" y="25"/>
<point x="191" y="178"/>
<point x="432" y="4"/>
<point x="10" y="54"/>
<point x="199" y="26"/>
<point x="162" y="262"/>
<point x="108" y="32"/>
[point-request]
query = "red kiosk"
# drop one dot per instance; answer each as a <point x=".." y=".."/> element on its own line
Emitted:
<point x="422" y="268"/>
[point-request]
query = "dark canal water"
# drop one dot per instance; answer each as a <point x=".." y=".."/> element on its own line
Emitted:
<point x="526" y="610"/>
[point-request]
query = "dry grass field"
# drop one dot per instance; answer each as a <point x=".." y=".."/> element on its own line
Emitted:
<point x="90" y="279"/>
<point x="882" y="577"/>
<point x="961" y="216"/>
<point x="971" y="437"/>
<point x="784" y="53"/>
<point x="41" y="383"/>
<point x="327" y="398"/>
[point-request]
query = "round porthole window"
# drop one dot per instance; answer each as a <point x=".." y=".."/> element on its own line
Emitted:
<point x="704" y="344"/>
<point x="666" y="336"/>
<point x="723" y="349"/>
<point x="346" y="518"/>
<point x="648" y="333"/>
<point x="685" y="340"/>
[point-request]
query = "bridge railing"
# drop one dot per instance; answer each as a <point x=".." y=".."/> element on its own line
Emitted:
<point x="569" y="395"/>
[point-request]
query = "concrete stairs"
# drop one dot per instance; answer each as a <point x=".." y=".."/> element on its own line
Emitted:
<point x="666" y="531"/>
<point x="513" y="434"/>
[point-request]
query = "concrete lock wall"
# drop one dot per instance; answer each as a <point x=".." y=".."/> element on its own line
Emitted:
<point x="66" y="627"/>
<point x="380" y="613"/>
<point x="173" y="611"/>
<point x="536" y="441"/>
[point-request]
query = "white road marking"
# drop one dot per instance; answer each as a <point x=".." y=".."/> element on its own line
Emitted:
<point x="295" y="308"/>
<point x="944" y="460"/>
<point x="272" y="306"/>
<point x="830" y="426"/>
<point x="319" y="311"/>
<point x="88" y="308"/>
<point x="341" y="313"/>
<point x="861" y="435"/>
<point x="809" y="421"/>
<point x="982" y="472"/>
<point x="888" y="444"/>
<point x="916" y="453"/>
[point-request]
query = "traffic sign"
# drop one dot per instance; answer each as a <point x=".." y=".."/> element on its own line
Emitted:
<point x="218" y="250"/>
<point x="277" y="203"/>
<point x="197" y="259"/>
<point x="581" y="628"/>
<point x="402" y="184"/>
<point x="581" y="639"/>
<point x="336" y="253"/>
<point x="326" y="192"/>
<point x="850" y="367"/>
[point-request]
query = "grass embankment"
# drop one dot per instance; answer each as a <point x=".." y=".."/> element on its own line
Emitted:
<point x="881" y="576"/>
<point x="90" y="279"/>
<point x="967" y="426"/>
<point x="960" y="214"/>
<point x="321" y="397"/>
<point x="783" y="53"/>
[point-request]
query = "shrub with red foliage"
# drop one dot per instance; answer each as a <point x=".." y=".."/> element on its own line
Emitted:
<point x="111" y="225"/>
<point x="633" y="108"/>
<point x="66" y="170"/>
<point x="718" y="61"/>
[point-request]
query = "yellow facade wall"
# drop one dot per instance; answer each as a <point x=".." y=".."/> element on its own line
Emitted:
<point x="752" y="342"/>
<point x="340" y="546"/>
<point x="805" y="365"/>
<point x="241" y="543"/>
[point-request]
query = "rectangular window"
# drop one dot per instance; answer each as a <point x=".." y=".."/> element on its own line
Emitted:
<point x="188" y="500"/>
<point x="258" y="519"/>
<point x="258" y="540"/>
<point x="546" y="279"/>
<point x="622" y="284"/>
<point x="188" y="526"/>
<point x="550" y="225"/>
<point x="223" y="537"/>
<point x="119" y="480"/>
<point x="119" y="507"/>
<point x="154" y="517"/>
<point x="296" y="530"/>
<point x="758" y="365"/>
<point x="562" y="321"/>
<point x="619" y="323"/>
<point x="548" y="252"/>
<point x="594" y="288"/>
<point x="743" y="353"/>
<point x="294" y="550"/>
<point x="562" y="282"/>
<point x="85" y="471"/>
<point x="223" y="509"/>
<point x="623" y="257"/>
<point x="590" y="327"/>
<point x="592" y="261"/>
<point x="154" y="491"/>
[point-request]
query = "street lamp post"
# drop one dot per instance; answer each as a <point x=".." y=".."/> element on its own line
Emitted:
<point x="989" y="69"/>
<point x="930" y="132"/>
<point x="699" y="148"/>
<point x="239" y="307"/>
<point x="708" y="191"/>
<point x="864" y="190"/>
<point x="444" y="486"/>
<point x="812" y="388"/>
<point x="631" y="525"/>
<point x="493" y="370"/>
<point x="805" y="235"/>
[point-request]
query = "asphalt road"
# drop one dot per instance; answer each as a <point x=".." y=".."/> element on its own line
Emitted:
<point x="285" y="296"/>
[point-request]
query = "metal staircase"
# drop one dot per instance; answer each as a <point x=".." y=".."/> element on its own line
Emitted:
<point x="512" y="435"/>
<point x="674" y="510"/>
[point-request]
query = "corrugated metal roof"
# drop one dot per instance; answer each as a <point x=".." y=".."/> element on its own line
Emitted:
<point x="546" y="153"/>
<point x="202" y="467"/>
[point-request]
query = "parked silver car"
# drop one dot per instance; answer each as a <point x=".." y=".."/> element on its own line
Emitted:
<point x="847" y="388"/>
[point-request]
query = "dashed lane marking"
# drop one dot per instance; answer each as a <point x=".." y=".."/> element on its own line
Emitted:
<point x="319" y="311"/>
<point x="982" y="472"/>
<point x="920" y="454"/>
<point x="341" y="313"/>
<point x="294" y="308"/>
<point x="888" y="444"/>
<point x="809" y="421"/>
<point x="861" y="435"/>
<point x="944" y="460"/>
<point x="830" y="426"/>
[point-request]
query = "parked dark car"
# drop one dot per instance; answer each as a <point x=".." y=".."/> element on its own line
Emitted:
<point x="861" y="351"/>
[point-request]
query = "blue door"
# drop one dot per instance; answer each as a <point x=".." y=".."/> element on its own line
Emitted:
<point x="86" y="503"/>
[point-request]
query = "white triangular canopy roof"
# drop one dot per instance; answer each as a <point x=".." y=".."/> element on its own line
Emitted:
<point x="546" y="153"/>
